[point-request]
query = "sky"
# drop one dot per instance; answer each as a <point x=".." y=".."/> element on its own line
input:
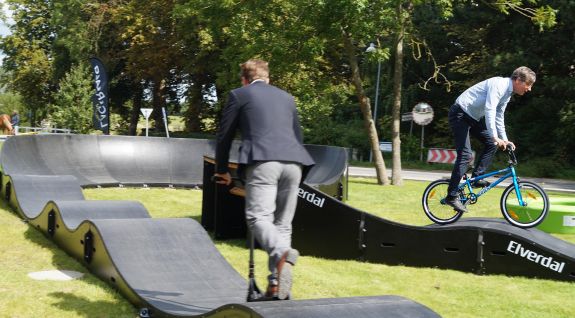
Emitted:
<point x="3" y="27"/>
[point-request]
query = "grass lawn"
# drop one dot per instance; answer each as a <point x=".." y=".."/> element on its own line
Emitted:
<point x="450" y="293"/>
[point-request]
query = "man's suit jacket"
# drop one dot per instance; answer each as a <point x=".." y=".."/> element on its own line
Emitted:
<point x="267" y="119"/>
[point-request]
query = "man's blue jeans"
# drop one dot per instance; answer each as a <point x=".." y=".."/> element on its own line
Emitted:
<point x="463" y="125"/>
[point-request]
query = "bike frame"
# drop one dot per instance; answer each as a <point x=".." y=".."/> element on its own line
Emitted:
<point x="508" y="172"/>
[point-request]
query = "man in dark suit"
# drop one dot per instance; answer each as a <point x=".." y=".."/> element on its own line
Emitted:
<point x="272" y="156"/>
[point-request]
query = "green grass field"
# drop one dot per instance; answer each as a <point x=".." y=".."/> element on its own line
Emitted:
<point x="450" y="293"/>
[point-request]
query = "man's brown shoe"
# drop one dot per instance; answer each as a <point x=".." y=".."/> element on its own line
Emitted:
<point x="272" y="291"/>
<point x="284" y="267"/>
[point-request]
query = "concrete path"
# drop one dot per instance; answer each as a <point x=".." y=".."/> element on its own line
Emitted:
<point x="421" y="175"/>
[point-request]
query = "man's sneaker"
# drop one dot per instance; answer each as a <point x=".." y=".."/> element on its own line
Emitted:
<point x="480" y="184"/>
<point x="284" y="267"/>
<point x="455" y="204"/>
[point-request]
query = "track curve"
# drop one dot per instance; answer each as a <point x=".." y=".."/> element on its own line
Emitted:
<point x="168" y="266"/>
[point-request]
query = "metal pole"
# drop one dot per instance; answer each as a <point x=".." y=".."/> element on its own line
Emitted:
<point x="146" y="127"/>
<point x="421" y="149"/>
<point x="376" y="103"/>
<point x="377" y="91"/>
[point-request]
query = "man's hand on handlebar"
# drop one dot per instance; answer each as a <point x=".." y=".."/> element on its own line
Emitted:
<point x="223" y="178"/>
<point x="510" y="145"/>
<point x="503" y="144"/>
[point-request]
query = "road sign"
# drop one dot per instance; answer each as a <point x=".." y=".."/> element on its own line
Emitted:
<point x="385" y="146"/>
<point x="407" y="116"/>
<point x="440" y="155"/>
<point x="422" y="114"/>
<point x="146" y="112"/>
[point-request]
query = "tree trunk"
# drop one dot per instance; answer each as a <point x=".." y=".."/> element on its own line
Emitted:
<point x="193" y="114"/>
<point x="365" y="107"/>
<point x="396" y="110"/>
<point x="158" y="103"/>
<point x="136" y="106"/>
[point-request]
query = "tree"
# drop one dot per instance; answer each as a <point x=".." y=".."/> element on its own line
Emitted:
<point x="10" y="102"/>
<point x="543" y="17"/>
<point x="72" y="107"/>
<point x="153" y="52"/>
<point x="357" y="22"/>
<point x="476" y="43"/>
<point x="28" y="53"/>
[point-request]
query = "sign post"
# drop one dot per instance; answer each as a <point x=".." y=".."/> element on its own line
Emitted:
<point x="422" y="115"/>
<point x="146" y="112"/>
<point x="165" y="122"/>
<point x="408" y="117"/>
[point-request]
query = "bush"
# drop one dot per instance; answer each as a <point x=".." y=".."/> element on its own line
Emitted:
<point x="542" y="168"/>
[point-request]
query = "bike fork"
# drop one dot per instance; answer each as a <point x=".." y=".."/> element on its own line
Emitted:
<point x="517" y="189"/>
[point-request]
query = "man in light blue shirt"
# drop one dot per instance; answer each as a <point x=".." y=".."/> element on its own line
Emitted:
<point x="479" y="111"/>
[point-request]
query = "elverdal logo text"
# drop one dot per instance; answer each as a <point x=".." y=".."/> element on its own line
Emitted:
<point x="311" y="197"/>
<point x="548" y="262"/>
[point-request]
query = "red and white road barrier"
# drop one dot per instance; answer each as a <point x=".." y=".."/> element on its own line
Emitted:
<point x="439" y="155"/>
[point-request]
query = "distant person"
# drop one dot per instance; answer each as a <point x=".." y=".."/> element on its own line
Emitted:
<point x="15" y="121"/>
<point x="271" y="158"/>
<point x="479" y="111"/>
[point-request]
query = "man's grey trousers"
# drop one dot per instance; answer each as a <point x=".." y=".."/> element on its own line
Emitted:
<point x="271" y="199"/>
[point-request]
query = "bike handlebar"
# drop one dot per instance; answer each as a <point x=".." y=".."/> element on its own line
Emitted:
<point x="511" y="154"/>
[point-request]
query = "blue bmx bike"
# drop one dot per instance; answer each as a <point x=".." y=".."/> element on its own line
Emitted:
<point x="523" y="203"/>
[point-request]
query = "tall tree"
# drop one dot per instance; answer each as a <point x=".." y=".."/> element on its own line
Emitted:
<point x="350" y="25"/>
<point x="28" y="54"/>
<point x="397" y="81"/>
<point x="152" y="52"/>
<point x="72" y="107"/>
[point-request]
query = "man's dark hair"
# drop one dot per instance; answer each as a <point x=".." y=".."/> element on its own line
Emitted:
<point x="255" y="69"/>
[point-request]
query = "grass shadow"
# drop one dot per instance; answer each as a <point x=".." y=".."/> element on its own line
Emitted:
<point x="83" y="307"/>
<point x="242" y="243"/>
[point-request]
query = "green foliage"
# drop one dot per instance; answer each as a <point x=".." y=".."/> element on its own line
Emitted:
<point x="411" y="147"/>
<point x="565" y="133"/>
<point x="544" y="167"/>
<point x="72" y="107"/>
<point x="28" y="54"/>
<point x="162" y="53"/>
<point x="10" y="102"/>
<point x="119" y="126"/>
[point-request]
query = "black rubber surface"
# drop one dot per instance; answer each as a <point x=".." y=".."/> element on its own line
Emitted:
<point x="169" y="266"/>
<point x="331" y="164"/>
<point x="34" y="191"/>
<point x="478" y="245"/>
<point x="75" y="212"/>
<point x="97" y="160"/>
<point x="364" y="307"/>
<point x="172" y="264"/>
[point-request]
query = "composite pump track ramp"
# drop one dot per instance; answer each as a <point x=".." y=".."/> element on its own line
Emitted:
<point x="169" y="267"/>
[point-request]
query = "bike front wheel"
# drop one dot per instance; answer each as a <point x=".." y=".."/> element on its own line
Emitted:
<point x="532" y="212"/>
<point x="434" y="204"/>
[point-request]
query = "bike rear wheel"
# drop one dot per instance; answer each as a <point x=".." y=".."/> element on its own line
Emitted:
<point x="434" y="205"/>
<point x="533" y="212"/>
